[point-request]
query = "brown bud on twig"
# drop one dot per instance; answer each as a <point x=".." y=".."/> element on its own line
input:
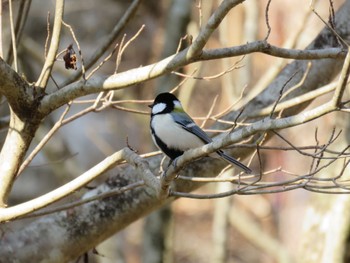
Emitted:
<point x="70" y="58"/>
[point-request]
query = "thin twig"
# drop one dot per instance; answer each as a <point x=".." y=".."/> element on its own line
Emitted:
<point x="102" y="62"/>
<point x="42" y="143"/>
<point x="294" y="101"/>
<point x="281" y="94"/>
<point x="233" y="67"/>
<point x="210" y="111"/>
<point x="267" y="20"/>
<point x="79" y="49"/>
<point x="51" y="55"/>
<point x="123" y="47"/>
<point x="330" y="27"/>
<point x="48" y="33"/>
<point x="22" y="15"/>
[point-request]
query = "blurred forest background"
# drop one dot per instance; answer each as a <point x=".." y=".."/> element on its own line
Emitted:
<point x="256" y="228"/>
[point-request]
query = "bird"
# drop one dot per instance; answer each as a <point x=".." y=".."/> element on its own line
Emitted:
<point x="174" y="131"/>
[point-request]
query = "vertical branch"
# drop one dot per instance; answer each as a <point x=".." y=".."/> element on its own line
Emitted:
<point x="21" y="19"/>
<point x="342" y="82"/>
<point x="78" y="45"/>
<point x="13" y="36"/>
<point x="16" y="144"/>
<point x="221" y="222"/>
<point x="42" y="143"/>
<point x="267" y="20"/>
<point x="48" y="32"/>
<point x="213" y="22"/>
<point x="51" y="56"/>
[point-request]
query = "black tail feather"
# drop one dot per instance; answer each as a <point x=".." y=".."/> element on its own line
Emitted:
<point x="235" y="162"/>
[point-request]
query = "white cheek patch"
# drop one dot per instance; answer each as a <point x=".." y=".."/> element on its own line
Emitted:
<point x="177" y="104"/>
<point x="159" y="107"/>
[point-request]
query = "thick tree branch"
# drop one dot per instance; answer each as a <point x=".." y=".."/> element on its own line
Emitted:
<point x="262" y="46"/>
<point x="17" y="92"/>
<point x="323" y="47"/>
<point x="150" y="180"/>
<point x="138" y="75"/>
<point x="23" y="124"/>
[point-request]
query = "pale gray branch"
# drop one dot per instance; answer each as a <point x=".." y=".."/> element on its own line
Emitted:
<point x="150" y="180"/>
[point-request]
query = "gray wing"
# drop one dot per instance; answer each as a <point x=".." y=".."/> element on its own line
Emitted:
<point x="189" y="125"/>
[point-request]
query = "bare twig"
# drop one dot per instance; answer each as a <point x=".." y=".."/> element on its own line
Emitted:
<point x="233" y="67"/>
<point x="78" y="45"/>
<point x="102" y="62"/>
<point x="330" y="26"/>
<point x="123" y="47"/>
<point x="209" y="112"/>
<point x="51" y="55"/>
<point x="42" y="143"/>
<point x="48" y="33"/>
<point x="267" y="20"/>
<point x="199" y="6"/>
<point x="295" y="101"/>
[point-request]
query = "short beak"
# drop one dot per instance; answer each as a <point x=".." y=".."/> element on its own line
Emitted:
<point x="151" y="106"/>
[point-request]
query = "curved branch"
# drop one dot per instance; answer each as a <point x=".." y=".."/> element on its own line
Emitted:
<point x="17" y="92"/>
<point x="264" y="47"/>
<point x="322" y="47"/>
<point x="135" y="76"/>
<point x="108" y="163"/>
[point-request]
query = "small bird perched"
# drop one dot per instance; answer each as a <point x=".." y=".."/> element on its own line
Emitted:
<point x="174" y="132"/>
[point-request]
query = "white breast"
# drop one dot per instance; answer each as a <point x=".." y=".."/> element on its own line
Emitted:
<point x="173" y="135"/>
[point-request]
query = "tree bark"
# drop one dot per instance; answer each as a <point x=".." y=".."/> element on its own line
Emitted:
<point x="24" y="121"/>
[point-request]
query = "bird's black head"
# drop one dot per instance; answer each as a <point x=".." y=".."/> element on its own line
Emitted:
<point x="165" y="103"/>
